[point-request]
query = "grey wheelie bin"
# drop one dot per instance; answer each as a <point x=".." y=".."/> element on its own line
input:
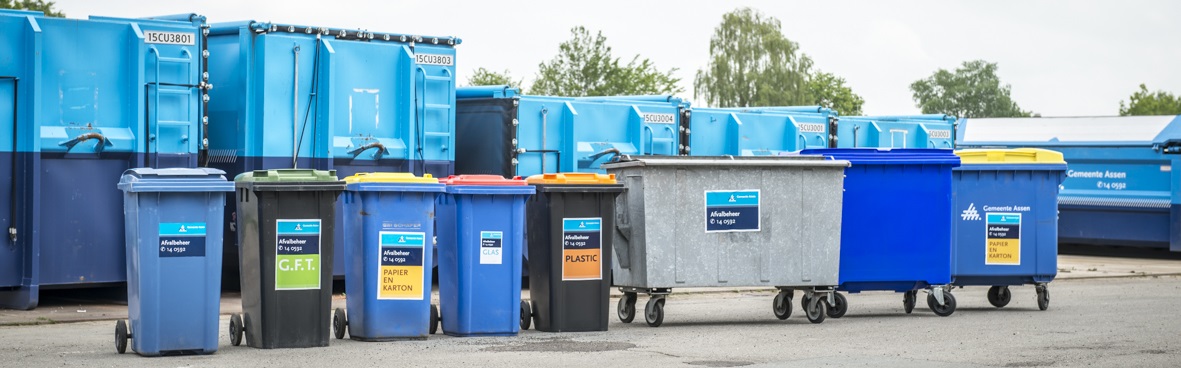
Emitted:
<point x="727" y="222"/>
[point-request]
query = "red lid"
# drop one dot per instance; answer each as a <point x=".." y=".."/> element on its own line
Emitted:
<point x="481" y="180"/>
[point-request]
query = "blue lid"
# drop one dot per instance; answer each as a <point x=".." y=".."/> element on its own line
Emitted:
<point x="889" y="156"/>
<point x="395" y="187"/>
<point x="146" y="179"/>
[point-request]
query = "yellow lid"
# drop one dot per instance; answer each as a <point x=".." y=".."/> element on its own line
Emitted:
<point x="1010" y="156"/>
<point x="572" y="178"/>
<point x="390" y="177"/>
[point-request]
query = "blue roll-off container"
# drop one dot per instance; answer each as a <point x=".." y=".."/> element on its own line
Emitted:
<point x="908" y="131"/>
<point x="173" y="226"/>
<point x="481" y="222"/>
<point x="388" y="232"/>
<point x="1006" y="224"/>
<point x="896" y="230"/>
<point x="758" y="131"/>
<point x="81" y="101"/>
<point x="331" y="99"/>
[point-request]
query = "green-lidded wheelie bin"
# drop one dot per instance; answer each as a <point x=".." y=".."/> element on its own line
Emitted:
<point x="569" y="256"/>
<point x="285" y="231"/>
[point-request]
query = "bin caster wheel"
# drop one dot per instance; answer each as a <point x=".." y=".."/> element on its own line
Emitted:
<point x="909" y="299"/>
<point x="944" y="310"/>
<point x="626" y="308"/>
<point x="999" y="296"/>
<point x="804" y="300"/>
<point x="817" y="307"/>
<point x="782" y="304"/>
<point x="434" y="319"/>
<point x="1043" y="298"/>
<point x="526" y="315"/>
<point x="121" y="336"/>
<point x="654" y="312"/>
<point x="340" y="323"/>
<point x="840" y="306"/>
<point x="236" y="328"/>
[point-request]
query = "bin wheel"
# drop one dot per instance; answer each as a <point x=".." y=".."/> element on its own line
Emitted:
<point x="909" y="299"/>
<point x="526" y="315"/>
<point x="654" y="312"/>
<point x="121" y="336"/>
<point x="944" y="310"/>
<point x="999" y="296"/>
<point x="817" y="307"/>
<point x="236" y="328"/>
<point x="781" y="305"/>
<point x="246" y="328"/>
<point x="804" y="300"/>
<point x="627" y="308"/>
<point x="340" y="323"/>
<point x="434" y="319"/>
<point x="839" y="307"/>
<point x="1043" y="298"/>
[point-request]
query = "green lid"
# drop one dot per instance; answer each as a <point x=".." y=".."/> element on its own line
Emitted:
<point x="286" y="175"/>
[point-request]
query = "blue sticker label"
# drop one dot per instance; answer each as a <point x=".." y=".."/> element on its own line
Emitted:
<point x="730" y="211"/>
<point x="402" y="249"/>
<point x="182" y="239"/>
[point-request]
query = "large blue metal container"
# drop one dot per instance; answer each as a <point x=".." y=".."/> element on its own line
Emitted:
<point x="917" y="131"/>
<point x="758" y="131"/>
<point x="80" y="102"/>
<point x="499" y="131"/>
<point x="333" y="99"/>
<point x="1120" y="188"/>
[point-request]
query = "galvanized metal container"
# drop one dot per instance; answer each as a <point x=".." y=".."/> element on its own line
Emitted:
<point x="726" y="222"/>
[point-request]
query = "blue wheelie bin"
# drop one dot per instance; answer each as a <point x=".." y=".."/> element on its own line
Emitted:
<point x="896" y="225"/>
<point x="1006" y="224"/>
<point x="389" y="221"/>
<point x="481" y="224"/>
<point x="173" y="226"/>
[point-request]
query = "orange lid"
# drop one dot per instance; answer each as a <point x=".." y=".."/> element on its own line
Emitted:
<point x="572" y="178"/>
<point x="481" y="180"/>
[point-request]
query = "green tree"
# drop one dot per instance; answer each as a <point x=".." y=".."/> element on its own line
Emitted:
<point x="1151" y="103"/>
<point x="753" y="64"/>
<point x="485" y="77"/>
<point x="584" y="66"/>
<point x="972" y="91"/>
<point x="36" y="5"/>
<point x="830" y="91"/>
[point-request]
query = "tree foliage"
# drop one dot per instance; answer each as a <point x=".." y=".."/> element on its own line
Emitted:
<point x="585" y="66"/>
<point x="972" y="91"/>
<point x="485" y="77"/>
<point x="35" y="5"/>
<point x="830" y="91"/>
<point x="1143" y="102"/>
<point x="753" y="64"/>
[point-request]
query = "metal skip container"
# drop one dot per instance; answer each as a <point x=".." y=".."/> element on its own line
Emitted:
<point x="727" y="222"/>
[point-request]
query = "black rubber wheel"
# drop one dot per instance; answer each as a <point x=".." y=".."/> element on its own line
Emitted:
<point x="999" y="296"/>
<point x="236" y="328"/>
<point x="340" y="322"/>
<point x="782" y="305"/>
<point x="804" y="300"/>
<point x="909" y="299"/>
<point x="817" y="308"/>
<point x="1043" y="298"/>
<point x="121" y="336"/>
<point x="434" y="319"/>
<point x="626" y="310"/>
<point x="944" y="310"/>
<point x="841" y="305"/>
<point x="245" y="323"/>
<point x="526" y="315"/>
<point x="654" y="312"/>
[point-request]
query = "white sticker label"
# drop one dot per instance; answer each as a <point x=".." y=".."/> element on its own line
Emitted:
<point x="940" y="134"/>
<point x="432" y="59"/>
<point x="659" y="118"/>
<point x="491" y="247"/>
<point x="811" y="128"/>
<point x="170" y="38"/>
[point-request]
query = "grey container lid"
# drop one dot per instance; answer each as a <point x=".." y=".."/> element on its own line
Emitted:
<point x="726" y="161"/>
<point x="146" y="179"/>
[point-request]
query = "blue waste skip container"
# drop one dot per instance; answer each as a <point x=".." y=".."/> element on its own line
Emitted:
<point x="389" y="224"/>
<point x="173" y="226"/>
<point x="1006" y="220"/>
<point x="481" y="223"/>
<point x="896" y="224"/>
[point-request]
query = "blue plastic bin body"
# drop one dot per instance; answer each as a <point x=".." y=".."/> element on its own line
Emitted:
<point x="919" y="131"/>
<point x="173" y="225"/>
<point x="81" y="101"/>
<point x="896" y="229"/>
<point x="1022" y="194"/>
<point x="389" y="228"/>
<point x="757" y="131"/>
<point x="480" y="293"/>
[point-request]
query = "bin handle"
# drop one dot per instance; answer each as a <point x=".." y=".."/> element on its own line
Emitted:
<point x="381" y="150"/>
<point x="103" y="142"/>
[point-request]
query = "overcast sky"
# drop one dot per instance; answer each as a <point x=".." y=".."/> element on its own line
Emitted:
<point x="1062" y="58"/>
